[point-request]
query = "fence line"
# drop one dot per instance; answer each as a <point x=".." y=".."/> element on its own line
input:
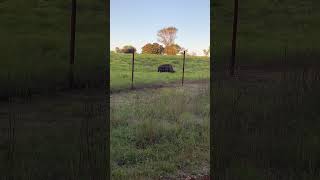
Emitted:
<point x="184" y="59"/>
<point x="132" y="70"/>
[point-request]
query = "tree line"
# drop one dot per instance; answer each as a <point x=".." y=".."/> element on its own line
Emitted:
<point x="166" y="38"/>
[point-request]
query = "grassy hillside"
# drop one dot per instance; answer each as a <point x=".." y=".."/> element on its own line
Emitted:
<point x="269" y="31"/>
<point x="34" y="57"/>
<point x="264" y="120"/>
<point x="146" y="67"/>
<point x="160" y="132"/>
<point x="35" y="44"/>
<point x="49" y="137"/>
<point x="267" y="116"/>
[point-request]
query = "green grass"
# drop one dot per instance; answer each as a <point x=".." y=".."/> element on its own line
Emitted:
<point x="35" y="50"/>
<point x="35" y="44"/>
<point x="268" y="30"/>
<point x="157" y="133"/>
<point x="160" y="133"/>
<point x="146" y="67"/>
<point x="267" y="120"/>
<point x="52" y="136"/>
<point x="48" y="132"/>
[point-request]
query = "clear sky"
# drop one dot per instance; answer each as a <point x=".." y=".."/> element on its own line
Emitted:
<point x="136" y="22"/>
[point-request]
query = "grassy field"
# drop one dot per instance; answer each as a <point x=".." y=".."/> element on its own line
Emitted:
<point x="160" y="133"/>
<point x="266" y="125"/>
<point x="49" y="136"/>
<point x="154" y="133"/>
<point x="146" y="67"/>
<point x="56" y="136"/>
<point x="268" y="31"/>
<point x="35" y="57"/>
<point x="268" y="116"/>
<point x="35" y="45"/>
<point x="265" y="119"/>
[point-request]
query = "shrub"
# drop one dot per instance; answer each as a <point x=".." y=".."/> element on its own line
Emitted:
<point x="126" y="49"/>
<point x="118" y="50"/>
<point x="154" y="48"/>
<point x="172" y="49"/>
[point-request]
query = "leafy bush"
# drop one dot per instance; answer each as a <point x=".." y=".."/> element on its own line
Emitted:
<point x="126" y="49"/>
<point x="172" y="49"/>
<point x="154" y="48"/>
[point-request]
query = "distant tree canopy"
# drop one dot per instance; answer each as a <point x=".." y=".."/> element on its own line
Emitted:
<point x="173" y="49"/>
<point x="193" y="54"/>
<point x="167" y="35"/>
<point x="206" y="52"/>
<point x="182" y="51"/>
<point x="126" y="49"/>
<point x="154" y="48"/>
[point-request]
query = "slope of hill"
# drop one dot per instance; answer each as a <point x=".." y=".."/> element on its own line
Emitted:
<point x="146" y="65"/>
<point x="268" y="31"/>
<point x="35" y="43"/>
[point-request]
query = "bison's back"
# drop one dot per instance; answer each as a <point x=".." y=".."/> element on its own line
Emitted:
<point x="165" y="68"/>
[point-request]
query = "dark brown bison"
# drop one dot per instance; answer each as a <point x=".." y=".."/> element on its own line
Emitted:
<point x="166" y="68"/>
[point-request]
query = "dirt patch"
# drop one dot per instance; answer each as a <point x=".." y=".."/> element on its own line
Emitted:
<point x="195" y="177"/>
<point x="161" y="85"/>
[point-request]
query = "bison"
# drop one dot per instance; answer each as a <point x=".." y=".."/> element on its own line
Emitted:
<point x="166" y="68"/>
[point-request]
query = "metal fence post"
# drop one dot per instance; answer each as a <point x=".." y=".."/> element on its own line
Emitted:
<point x="132" y="70"/>
<point x="72" y="41"/>
<point x="234" y="37"/>
<point x="184" y="59"/>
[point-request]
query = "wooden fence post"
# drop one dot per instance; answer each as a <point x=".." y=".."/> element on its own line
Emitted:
<point x="184" y="59"/>
<point x="234" y="37"/>
<point x="132" y="69"/>
<point x="72" y="41"/>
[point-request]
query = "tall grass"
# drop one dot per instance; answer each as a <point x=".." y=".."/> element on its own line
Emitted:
<point x="146" y="67"/>
<point x="266" y="29"/>
<point x="160" y="133"/>
<point x="267" y="129"/>
<point x="31" y="148"/>
<point x="35" y="45"/>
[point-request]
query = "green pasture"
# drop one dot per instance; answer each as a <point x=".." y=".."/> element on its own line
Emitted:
<point x="146" y="66"/>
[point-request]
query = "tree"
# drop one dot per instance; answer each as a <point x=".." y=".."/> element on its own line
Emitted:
<point x="178" y="48"/>
<point x="167" y="35"/>
<point x="172" y="49"/>
<point x="182" y="50"/>
<point x="126" y="49"/>
<point x="191" y="53"/>
<point x="206" y="52"/>
<point x="118" y="50"/>
<point x="154" y="48"/>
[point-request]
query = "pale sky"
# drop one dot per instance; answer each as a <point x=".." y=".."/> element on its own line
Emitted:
<point x="136" y="22"/>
